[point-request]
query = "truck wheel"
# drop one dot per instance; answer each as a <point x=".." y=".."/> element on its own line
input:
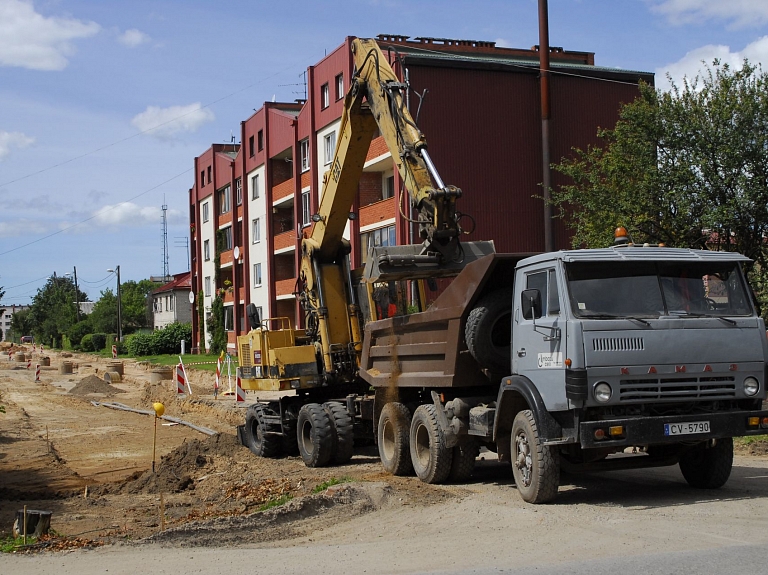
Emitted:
<point x="342" y="431"/>
<point x="536" y="468"/>
<point x="394" y="439"/>
<point x="256" y="429"/>
<point x="429" y="454"/>
<point x="314" y="435"/>
<point x="706" y="467"/>
<point x="488" y="332"/>
<point x="463" y="461"/>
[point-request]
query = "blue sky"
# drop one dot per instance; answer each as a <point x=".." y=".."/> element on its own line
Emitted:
<point x="104" y="105"/>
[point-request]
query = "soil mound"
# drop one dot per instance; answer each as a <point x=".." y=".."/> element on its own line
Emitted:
<point x="177" y="471"/>
<point x="94" y="384"/>
<point x="164" y="392"/>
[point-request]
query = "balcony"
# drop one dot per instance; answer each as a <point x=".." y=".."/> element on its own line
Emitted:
<point x="284" y="288"/>
<point x="282" y="190"/>
<point x="377" y="212"/>
<point x="226" y="258"/>
<point x="284" y="242"/>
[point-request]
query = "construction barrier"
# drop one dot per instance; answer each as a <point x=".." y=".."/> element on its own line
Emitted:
<point x="29" y="364"/>
<point x="180" y="380"/>
<point x="34" y="348"/>
<point x="37" y="373"/>
<point x="240" y="391"/>
<point x="217" y="381"/>
<point x="114" y="352"/>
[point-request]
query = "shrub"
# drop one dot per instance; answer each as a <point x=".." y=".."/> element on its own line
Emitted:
<point x="168" y="339"/>
<point x="77" y="331"/>
<point x="99" y="341"/>
<point x="86" y="342"/>
<point x="140" y="344"/>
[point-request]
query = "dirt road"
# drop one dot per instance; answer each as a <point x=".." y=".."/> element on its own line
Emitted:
<point x="208" y="493"/>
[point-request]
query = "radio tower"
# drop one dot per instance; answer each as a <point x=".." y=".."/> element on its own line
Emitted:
<point x="166" y="275"/>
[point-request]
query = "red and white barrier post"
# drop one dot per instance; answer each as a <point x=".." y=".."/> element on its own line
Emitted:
<point x="180" y="380"/>
<point x="34" y="347"/>
<point x="37" y="373"/>
<point x="240" y="398"/>
<point x="29" y="364"/>
<point x="114" y="352"/>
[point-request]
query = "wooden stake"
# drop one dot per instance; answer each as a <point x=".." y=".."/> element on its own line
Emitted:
<point x="154" y="444"/>
<point x="47" y="440"/>
<point x="25" y="525"/>
<point x="162" y="513"/>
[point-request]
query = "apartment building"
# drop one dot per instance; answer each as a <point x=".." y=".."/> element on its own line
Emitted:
<point x="170" y="302"/>
<point x="5" y="321"/>
<point x="479" y="107"/>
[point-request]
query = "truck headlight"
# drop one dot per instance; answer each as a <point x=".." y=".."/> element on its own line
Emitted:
<point x="751" y="386"/>
<point x="602" y="392"/>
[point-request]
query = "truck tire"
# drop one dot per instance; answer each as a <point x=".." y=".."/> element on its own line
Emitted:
<point x="488" y="331"/>
<point x="463" y="461"/>
<point x="536" y="468"/>
<point x="394" y="439"/>
<point x="256" y="437"/>
<point x="430" y="457"/>
<point x="314" y="435"/>
<point x="706" y="467"/>
<point x="342" y="431"/>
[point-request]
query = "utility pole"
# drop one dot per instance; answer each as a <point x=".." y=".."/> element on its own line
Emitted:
<point x="119" y="305"/>
<point x="77" y="296"/>
<point x="546" y="182"/>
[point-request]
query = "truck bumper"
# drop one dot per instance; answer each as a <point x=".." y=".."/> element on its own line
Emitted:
<point x="652" y="430"/>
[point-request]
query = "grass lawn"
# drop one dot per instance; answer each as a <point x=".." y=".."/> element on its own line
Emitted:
<point x="174" y="359"/>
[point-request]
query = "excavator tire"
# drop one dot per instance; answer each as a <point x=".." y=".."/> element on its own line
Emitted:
<point x="343" y="431"/>
<point x="488" y="332"/>
<point x="394" y="439"/>
<point x="257" y="436"/>
<point x="314" y="435"/>
<point x="430" y="456"/>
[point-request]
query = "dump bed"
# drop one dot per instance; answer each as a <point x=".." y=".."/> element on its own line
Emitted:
<point x="427" y="349"/>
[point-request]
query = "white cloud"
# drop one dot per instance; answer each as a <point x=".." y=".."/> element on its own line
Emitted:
<point x="691" y="64"/>
<point x="503" y="43"/>
<point x="167" y="123"/>
<point x="30" y="40"/>
<point x="10" y="140"/>
<point x="133" y="38"/>
<point x="741" y="13"/>
<point x="23" y="228"/>
<point x="126" y="213"/>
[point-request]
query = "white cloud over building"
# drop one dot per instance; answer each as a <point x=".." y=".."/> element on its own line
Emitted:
<point x="169" y="123"/>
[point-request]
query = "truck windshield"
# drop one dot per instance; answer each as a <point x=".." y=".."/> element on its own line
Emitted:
<point x="650" y="289"/>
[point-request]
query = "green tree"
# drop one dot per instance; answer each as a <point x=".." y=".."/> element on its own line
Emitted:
<point x="687" y="167"/>
<point x="53" y="310"/>
<point x="136" y="308"/>
<point x="21" y="324"/>
<point x="104" y="315"/>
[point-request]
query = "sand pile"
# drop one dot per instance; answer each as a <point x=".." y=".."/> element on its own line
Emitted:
<point x="94" y="384"/>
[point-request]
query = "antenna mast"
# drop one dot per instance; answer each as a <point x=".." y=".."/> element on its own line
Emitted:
<point x="166" y="273"/>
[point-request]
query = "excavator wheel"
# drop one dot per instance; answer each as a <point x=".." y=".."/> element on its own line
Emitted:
<point x="343" y="431"/>
<point x="257" y="436"/>
<point x="314" y="435"/>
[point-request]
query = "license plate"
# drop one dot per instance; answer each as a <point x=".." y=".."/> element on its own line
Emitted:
<point x="686" y="428"/>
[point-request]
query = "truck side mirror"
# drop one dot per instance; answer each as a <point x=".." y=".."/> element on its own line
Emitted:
<point x="253" y="316"/>
<point x="531" y="303"/>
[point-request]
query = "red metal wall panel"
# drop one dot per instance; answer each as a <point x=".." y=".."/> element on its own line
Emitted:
<point x="335" y="63"/>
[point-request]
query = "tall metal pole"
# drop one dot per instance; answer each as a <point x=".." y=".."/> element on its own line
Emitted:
<point x="119" y="308"/>
<point x="546" y="182"/>
<point x="77" y="296"/>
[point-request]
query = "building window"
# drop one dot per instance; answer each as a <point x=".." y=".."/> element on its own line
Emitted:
<point x="259" y="312"/>
<point x="339" y="86"/>
<point x="210" y="178"/>
<point x="305" y="215"/>
<point x="206" y="215"/>
<point x="388" y="190"/>
<point x="238" y="191"/>
<point x="255" y="191"/>
<point x="207" y="250"/>
<point x="325" y="97"/>
<point x="202" y="178"/>
<point x="229" y="318"/>
<point x="170" y="302"/>
<point x="260" y="140"/>
<point x="256" y="231"/>
<point x="376" y="238"/>
<point x="226" y="238"/>
<point x="251" y="151"/>
<point x="304" y="152"/>
<point x="224" y="200"/>
<point x="329" y="147"/>
<point x="256" y="275"/>
<point x="207" y="286"/>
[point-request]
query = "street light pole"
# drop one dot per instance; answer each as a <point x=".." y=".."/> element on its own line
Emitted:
<point x="119" y="306"/>
<point x="77" y="296"/>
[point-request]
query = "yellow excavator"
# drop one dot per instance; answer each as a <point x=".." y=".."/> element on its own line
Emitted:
<point x="321" y="362"/>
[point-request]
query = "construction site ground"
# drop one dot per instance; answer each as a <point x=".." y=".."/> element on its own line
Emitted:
<point x="91" y="466"/>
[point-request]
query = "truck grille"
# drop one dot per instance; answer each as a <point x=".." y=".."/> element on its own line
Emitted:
<point x="245" y="355"/>
<point x="676" y="389"/>
<point x="618" y="344"/>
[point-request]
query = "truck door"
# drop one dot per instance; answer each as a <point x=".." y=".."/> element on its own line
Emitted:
<point x="538" y="344"/>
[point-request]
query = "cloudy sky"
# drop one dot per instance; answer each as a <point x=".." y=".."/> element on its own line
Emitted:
<point x="104" y="105"/>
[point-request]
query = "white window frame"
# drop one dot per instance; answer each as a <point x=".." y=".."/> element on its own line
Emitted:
<point x="325" y="96"/>
<point x="225" y="205"/>
<point x="340" y="86"/>
<point x="256" y="230"/>
<point x="239" y="191"/>
<point x="255" y="187"/>
<point x="329" y="147"/>
<point x="207" y="250"/>
<point x="257" y="274"/>
<point x="207" y="286"/>
<point x="228" y="245"/>
<point x="306" y="209"/>
<point x="304" y="153"/>
<point x="206" y="212"/>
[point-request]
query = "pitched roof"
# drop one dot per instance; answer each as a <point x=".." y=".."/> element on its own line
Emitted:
<point x="179" y="282"/>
